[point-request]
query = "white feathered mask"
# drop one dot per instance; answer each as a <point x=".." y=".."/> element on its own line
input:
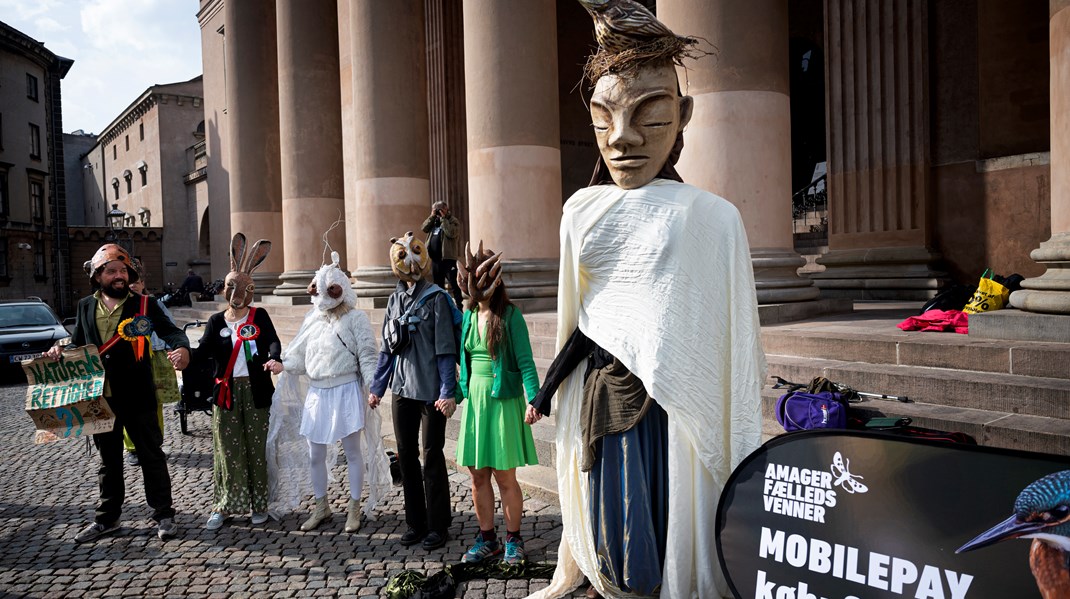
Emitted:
<point x="330" y="287"/>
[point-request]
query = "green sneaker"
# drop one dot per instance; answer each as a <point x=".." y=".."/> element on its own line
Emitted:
<point x="481" y="551"/>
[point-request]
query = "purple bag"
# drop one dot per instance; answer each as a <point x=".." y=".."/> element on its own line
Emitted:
<point x="799" y="410"/>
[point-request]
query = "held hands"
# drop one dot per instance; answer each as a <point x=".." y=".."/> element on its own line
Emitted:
<point x="533" y="415"/>
<point x="447" y="406"/>
<point x="274" y="366"/>
<point x="373" y="400"/>
<point x="179" y="358"/>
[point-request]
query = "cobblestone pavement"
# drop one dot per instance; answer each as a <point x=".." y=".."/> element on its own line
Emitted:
<point x="48" y="492"/>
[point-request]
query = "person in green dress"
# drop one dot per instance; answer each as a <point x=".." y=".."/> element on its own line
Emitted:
<point x="497" y="369"/>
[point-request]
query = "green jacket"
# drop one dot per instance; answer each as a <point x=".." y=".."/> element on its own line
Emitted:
<point x="514" y="368"/>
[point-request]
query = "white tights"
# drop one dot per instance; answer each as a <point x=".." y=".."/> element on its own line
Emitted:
<point x="317" y="454"/>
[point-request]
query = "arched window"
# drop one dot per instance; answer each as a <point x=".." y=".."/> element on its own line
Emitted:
<point x="115" y="186"/>
<point x="128" y="176"/>
<point x="144" y="170"/>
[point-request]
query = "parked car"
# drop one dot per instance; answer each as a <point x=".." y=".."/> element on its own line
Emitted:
<point x="27" y="329"/>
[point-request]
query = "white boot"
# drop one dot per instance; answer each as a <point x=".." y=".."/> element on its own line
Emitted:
<point x="353" y="520"/>
<point x="321" y="512"/>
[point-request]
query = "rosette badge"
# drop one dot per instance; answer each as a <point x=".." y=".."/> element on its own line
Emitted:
<point x="137" y="331"/>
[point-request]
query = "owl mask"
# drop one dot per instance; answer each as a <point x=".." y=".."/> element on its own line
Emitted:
<point x="330" y="287"/>
<point x="409" y="258"/>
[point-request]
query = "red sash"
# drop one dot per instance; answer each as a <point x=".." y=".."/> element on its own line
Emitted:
<point x="225" y="398"/>
<point x="116" y="337"/>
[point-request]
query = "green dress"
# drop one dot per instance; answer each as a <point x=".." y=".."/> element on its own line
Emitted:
<point x="493" y="431"/>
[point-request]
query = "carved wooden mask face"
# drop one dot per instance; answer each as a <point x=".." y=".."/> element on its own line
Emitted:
<point x="636" y="120"/>
<point x="409" y="258"/>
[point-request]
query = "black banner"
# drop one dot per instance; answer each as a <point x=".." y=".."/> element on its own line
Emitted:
<point x="838" y="514"/>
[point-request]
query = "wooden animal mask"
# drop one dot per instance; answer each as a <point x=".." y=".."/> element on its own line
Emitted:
<point x="480" y="274"/>
<point x="409" y="258"/>
<point x="238" y="286"/>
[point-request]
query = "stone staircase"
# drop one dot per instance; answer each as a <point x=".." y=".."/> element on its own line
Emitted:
<point x="1008" y="394"/>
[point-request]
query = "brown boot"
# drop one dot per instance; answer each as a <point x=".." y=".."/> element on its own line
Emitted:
<point x="353" y="519"/>
<point x="321" y="512"/>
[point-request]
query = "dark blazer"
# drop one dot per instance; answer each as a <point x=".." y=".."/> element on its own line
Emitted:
<point x="218" y="349"/>
<point x="131" y="382"/>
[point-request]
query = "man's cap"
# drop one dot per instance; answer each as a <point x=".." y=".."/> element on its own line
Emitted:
<point x="108" y="253"/>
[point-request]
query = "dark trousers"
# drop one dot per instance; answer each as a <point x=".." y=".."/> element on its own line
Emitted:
<point x="446" y="270"/>
<point x="427" y="492"/>
<point x="144" y="431"/>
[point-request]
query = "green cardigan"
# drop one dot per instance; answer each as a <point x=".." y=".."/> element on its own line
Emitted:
<point x="514" y="368"/>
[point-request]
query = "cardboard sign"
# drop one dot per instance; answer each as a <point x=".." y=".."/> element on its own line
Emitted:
<point x="844" y="515"/>
<point x="64" y="397"/>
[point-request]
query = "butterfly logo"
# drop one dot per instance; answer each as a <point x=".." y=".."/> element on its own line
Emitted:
<point x="841" y="469"/>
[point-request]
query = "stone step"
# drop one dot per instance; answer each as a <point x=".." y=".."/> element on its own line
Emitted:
<point x="990" y="428"/>
<point x="994" y="392"/>
<point x="959" y="352"/>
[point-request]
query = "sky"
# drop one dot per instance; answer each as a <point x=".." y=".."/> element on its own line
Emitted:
<point x="120" y="48"/>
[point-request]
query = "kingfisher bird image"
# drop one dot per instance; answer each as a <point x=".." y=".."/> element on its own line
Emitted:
<point x="1041" y="513"/>
<point x="623" y="24"/>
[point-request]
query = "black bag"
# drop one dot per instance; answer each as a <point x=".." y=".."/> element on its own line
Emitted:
<point x="434" y="244"/>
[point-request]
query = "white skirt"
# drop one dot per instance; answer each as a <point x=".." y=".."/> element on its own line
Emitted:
<point x="334" y="413"/>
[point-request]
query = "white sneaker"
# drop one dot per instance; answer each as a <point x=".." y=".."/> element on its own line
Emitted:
<point x="215" y="521"/>
<point x="259" y="518"/>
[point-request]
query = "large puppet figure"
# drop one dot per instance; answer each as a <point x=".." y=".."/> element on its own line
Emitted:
<point x="659" y="373"/>
<point x="321" y="399"/>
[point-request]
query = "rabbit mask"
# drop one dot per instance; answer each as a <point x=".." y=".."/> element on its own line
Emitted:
<point x="409" y="258"/>
<point x="330" y="287"/>
<point x="480" y="273"/>
<point x="238" y="286"/>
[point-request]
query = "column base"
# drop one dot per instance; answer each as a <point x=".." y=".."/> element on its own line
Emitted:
<point x="532" y="284"/>
<point x="1050" y="292"/>
<point x="893" y="273"/>
<point x="295" y="283"/>
<point x="776" y="278"/>
<point x="266" y="282"/>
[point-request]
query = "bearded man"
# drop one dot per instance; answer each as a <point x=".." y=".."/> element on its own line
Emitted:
<point x="102" y="319"/>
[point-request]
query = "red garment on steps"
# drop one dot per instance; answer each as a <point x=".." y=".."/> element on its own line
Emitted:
<point x="938" y="320"/>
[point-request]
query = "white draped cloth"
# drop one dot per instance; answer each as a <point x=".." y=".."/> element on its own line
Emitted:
<point x="661" y="278"/>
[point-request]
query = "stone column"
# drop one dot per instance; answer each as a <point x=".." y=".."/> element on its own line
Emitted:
<point x="737" y="142"/>
<point x="514" y="156"/>
<point x="445" y="91"/>
<point x="392" y="191"/>
<point x="310" y="131"/>
<point x="878" y="159"/>
<point x="253" y="131"/>
<point x="1050" y="292"/>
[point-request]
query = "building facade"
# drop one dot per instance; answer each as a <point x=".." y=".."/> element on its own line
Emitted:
<point x="940" y="125"/>
<point x="33" y="220"/>
<point x="144" y="166"/>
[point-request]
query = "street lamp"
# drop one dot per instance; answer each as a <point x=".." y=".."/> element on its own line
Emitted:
<point x="116" y="222"/>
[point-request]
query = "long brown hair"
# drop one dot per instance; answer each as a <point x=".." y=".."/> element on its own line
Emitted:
<point x="499" y="303"/>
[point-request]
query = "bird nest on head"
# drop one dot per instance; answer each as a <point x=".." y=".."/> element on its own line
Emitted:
<point x="627" y="62"/>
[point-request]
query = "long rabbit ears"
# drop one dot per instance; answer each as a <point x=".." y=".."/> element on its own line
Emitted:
<point x="237" y="251"/>
<point x="260" y="253"/>
<point x="238" y="263"/>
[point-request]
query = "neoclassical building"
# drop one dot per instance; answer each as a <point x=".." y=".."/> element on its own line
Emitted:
<point x="33" y="220"/>
<point x="943" y="128"/>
